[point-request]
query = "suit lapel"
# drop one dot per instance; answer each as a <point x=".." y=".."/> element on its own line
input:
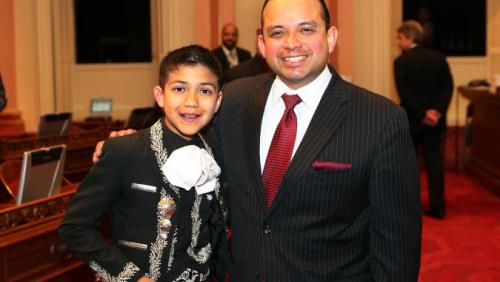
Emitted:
<point x="252" y="120"/>
<point x="326" y="120"/>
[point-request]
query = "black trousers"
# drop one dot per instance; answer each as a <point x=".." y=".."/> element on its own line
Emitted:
<point x="429" y="141"/>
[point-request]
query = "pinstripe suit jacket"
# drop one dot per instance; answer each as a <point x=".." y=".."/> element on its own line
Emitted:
<point x="353" y="216"/>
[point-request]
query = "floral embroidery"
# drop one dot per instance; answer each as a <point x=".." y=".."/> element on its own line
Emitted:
<point x="159" y="245"/>
<point x="205" y="252"/>
<point x="190" y="275"/>
<point x="102" y="275"/>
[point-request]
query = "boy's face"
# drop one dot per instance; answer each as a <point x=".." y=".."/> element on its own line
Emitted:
<point x="189" y="99"/>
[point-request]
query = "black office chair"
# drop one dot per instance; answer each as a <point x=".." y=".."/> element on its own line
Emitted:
<point x="143" y="117"/>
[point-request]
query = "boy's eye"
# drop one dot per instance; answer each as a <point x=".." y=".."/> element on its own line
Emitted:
<point x="206" y="91"/>
<point x="178" y="89"/>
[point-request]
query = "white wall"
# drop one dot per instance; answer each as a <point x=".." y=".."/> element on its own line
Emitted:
<point x="44" y="85"/>
<point x="247" y="14"/>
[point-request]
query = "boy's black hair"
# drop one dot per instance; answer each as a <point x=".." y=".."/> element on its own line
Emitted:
<point x="190" y="55"/>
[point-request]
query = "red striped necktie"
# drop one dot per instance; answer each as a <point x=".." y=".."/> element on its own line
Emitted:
<point x="280" y="151"/>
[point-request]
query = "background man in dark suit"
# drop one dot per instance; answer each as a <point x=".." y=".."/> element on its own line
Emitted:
<point x="228" y="54"/>
<point x="252" y="67"/>
<point x="347" y="204"/>
<point x="425" y="86"/>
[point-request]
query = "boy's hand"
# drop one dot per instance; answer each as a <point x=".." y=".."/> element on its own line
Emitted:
<point x="98" y="148"/>
<point x="144" y="278"/>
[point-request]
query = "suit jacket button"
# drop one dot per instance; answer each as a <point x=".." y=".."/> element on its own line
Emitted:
<point x="267" y="230"/>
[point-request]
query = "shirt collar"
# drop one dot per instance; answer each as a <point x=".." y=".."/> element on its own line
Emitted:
<point x="227" y="51"/>
<point x="310" y="94"/>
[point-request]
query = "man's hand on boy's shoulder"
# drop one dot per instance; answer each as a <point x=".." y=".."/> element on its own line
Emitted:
<point x="98" y="147"/>
<point x="145" y="279"/>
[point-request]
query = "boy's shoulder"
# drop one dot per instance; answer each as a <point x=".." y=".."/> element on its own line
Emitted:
<point x="127" y="142"/>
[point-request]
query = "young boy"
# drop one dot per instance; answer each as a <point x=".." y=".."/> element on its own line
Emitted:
<point x="160" y="184"/>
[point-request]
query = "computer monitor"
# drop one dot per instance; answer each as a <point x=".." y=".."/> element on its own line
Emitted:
<point x="41" y="173"/>
<point x="54" y="124"/>
<point x="100" y="108"/>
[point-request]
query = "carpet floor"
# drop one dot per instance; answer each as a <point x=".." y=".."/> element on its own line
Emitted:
<point x="465" y="246"/>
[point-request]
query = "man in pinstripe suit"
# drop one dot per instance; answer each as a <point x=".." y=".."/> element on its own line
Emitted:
<point x="348" y="207"/>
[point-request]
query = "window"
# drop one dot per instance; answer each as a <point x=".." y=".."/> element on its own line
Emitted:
<point x="112" y="31"/>
<point x="457" y="28"/>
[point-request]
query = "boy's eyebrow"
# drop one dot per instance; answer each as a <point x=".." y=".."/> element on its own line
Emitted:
<point x="209" y="83"/>
<point x="201" y="83"/>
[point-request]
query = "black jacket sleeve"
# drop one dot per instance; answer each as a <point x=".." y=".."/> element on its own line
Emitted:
<point x="79" y="229"/>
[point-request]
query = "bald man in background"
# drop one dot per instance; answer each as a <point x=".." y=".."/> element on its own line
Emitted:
<point x="228" y="54"/>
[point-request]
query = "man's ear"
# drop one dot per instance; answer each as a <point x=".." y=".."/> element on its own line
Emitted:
<point x="262" y="46"/>
<point x="332" y="35"/>
<point x="158" y="94"/>
<point x="219" y="100"/>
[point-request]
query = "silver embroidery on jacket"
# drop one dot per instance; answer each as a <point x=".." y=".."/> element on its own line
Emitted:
<point x="159" y="245"/>
<point x="172" y="251"/>
<point x="218" y="195"/>
<point x="160" y="153"/>
<point x="205" y="252"/>
<point x="190" y="275"/>
<point x="102" y="275"/>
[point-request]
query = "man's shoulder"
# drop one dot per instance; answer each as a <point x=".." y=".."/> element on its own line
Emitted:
<point x="218" y="50"/>
<point x="362" y="97"/>
<point x="243" y="51"/>
<point x="250" y="82"/>
<point x="129" y="142"/>
<point x="240" y="49"/>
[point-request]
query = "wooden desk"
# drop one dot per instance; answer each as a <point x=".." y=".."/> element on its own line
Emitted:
<point x="80" y="146"/>
<point x="484" y="161"/>
<point x="30" y="249"/>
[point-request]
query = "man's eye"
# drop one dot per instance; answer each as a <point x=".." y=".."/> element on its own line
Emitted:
<point x="308" y="30"/>
<point x="178" y="89"/>
<point x="275" y="33"/>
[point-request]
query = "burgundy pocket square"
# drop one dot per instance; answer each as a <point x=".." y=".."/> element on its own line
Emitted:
<point x="330" y="166"/>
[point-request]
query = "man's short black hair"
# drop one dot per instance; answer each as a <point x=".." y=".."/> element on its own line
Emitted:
<point x="325" y="15"/>
<point x="190" y="55"/>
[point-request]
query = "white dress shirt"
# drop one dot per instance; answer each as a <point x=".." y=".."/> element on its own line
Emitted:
<point x="231" y="56"/>
<point x="275" y="107"/>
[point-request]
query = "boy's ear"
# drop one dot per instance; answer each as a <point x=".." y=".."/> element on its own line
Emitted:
<point x="219" y="100"/>
<point x="158" y="93"/>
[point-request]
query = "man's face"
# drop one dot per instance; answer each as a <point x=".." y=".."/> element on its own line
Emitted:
<point x="189" y="99"/>
<point x="295" y="42"/>
<point x="229" y="36"/>
<point x="404" y="42"/>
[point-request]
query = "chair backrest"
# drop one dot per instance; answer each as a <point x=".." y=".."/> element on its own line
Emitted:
<point x="54" y="124"/>
<point x="140" y="118"/>
<point x="41" y="173"/>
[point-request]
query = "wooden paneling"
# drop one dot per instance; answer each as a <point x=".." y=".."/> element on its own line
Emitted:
<point x="30" y="249"/>
<point x="484" y="161"/>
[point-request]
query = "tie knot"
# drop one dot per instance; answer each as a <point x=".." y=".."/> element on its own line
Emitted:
<point x="291" y="101"/>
